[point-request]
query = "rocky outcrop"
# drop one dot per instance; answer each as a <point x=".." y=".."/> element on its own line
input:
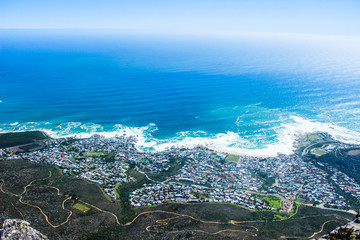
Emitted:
<point x="348" y="231"/>
<point x="13" y="229"/>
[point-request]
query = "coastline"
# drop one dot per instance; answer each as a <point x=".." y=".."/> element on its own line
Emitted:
<point x="295" y="159"/>
<point x="283" y="141"/>
<point x="260" y="152"/>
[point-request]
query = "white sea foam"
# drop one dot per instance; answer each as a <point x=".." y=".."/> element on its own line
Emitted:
<point x="286" y="134"/>
<point x="261" y="144"/>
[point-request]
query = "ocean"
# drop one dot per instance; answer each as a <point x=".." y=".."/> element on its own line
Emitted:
<point x="249" y="94"/>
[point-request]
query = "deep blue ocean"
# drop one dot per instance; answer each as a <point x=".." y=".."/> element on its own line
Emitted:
<point x="249" y="94"/>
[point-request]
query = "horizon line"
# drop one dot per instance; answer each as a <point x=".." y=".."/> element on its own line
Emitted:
<point x="197" y="33"/>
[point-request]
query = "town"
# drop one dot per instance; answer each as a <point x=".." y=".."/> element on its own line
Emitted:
<point x="203" y="175"/>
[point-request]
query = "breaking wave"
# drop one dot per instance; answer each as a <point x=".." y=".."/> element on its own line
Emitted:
<point x="280" y="142"/>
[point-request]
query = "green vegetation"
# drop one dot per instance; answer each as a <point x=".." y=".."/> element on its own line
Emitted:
<point x="175" y="165"/>
<point x="344" y="233"/>
<point x="108" y="156"/>
<point x="232" y="158"/>
<point x="269" y="224"/>
<point x="319" y="152"/>
<point x="95" y="154"/>
<point x="71" y="148"/>
<point x="81" y="207"/>
<point x="343" y="161"/>
<point x="281" y="216"/>
<point x="293" y="209"/>
<point x="313" y="137"/>
<point x="124" y="190"/>
<point x="21" y="138"/>
<point x="19" y="173"/>
<point x="201" y="195"/>
<point x="267" y="181"/>
<point x="349" y="199"/>
<point x="307" y="140"/>
<point x="89" y="223"/>
<point x="272" y="201"/>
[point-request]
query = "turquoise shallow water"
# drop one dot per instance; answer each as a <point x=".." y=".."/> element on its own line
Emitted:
<point x="247" y="95"/>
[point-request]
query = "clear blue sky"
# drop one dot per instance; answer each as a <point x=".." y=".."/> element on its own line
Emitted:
<point x="335" y="17"/>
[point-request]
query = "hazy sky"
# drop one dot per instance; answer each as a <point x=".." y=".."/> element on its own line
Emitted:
<point x="336" y="17"/>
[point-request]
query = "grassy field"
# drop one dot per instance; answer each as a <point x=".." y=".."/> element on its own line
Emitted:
<point x="81" y="207"/>
<point x="273" y="201"/>
<point x="232" y="158"/>
<point x="313" y="137"/>
<point x="95" y="154"/>
<point x="319" y="152"/>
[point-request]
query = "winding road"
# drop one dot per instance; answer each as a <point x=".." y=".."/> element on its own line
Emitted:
<point x="158" y="223"/>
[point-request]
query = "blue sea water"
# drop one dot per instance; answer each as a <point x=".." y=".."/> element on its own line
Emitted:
<point x="249" y="94"/>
